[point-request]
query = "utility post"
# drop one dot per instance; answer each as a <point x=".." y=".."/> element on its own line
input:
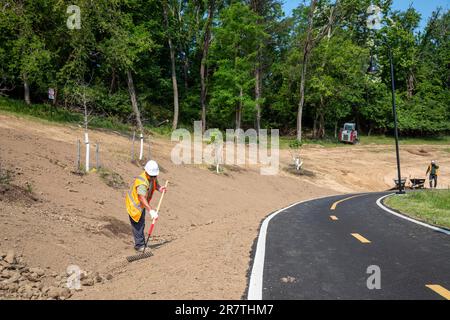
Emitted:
<point x="374" y="23"/>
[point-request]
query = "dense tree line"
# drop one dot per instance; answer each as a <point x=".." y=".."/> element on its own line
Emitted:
<point x="230" y="63"/>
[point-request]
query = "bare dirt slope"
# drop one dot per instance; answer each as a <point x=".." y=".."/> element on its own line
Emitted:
<point x="372" y="167"/>
<point x="208" y="222"/>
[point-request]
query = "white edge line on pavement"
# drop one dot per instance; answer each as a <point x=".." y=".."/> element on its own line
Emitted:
<point x="408" y="218"/>
<point x="255" y="286"/>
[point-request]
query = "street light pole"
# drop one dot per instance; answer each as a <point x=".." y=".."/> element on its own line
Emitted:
<point x="373" y="23"/>
<point x="394" y="111"/>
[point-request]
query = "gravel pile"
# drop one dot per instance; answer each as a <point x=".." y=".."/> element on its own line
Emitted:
<point x="19" y="281"/>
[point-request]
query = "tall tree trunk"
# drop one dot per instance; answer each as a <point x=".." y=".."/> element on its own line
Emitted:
<point x="321" y="125"/>
<point x="370" y="130"/>
<point x="133" y="98"/>
<point x="186" y="72"/>
<point x="239" y="109"/>
<point x="358" y="121"/>
<point x="174" y="73"/>
<point x="55" y="100"/>
<point x="26" y="89"/>
<point x="258" y="94"/>
<point x="302" y="97"/>
<point x="335" y="129"/>
<point x="203" y="69"/>
<point x="307" y="48"/>
<point x="410" y="85"/>
<point x="257" y="7"/>
<point x="321" y="132"/>
<point x="203" y="94"/>
<point x="113" y="81"/>
<point x="314" y="133"/>
<point x="176" y="107"/>
<point x="306" y="52"/>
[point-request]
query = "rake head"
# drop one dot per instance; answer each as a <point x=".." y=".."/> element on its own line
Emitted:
<point x="140" y="256"/>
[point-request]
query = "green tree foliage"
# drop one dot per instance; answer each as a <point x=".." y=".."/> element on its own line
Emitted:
<point x="238" y="36"/>
<point x="24" y="48"/>
<point x="337" y="83"/>
<point x="242" y="62"/>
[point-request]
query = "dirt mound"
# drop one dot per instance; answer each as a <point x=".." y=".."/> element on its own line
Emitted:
<point x="10" y="192"/>
<point x="302" y="172"/>
<point x="419" y="152"/>
<point x="111" y="178"/>
<point x="115" y="228"/>
<point x="13" y="193"/>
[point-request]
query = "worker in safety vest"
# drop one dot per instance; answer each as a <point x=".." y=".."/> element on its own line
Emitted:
<point x="138" y="201"/>
<point x="433" y="169"/>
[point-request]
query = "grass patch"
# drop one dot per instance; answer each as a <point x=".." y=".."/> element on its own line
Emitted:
<point x="50" y="113"/>
<point x="287" y="141"/>
<point x="59" y="115"/>
<point x="331" y="142"/>
<point x="163" y="131"/>
<point x="431" y="206"/>
<point x="29" y="187"/>
<point x="384" y="140"/>
<point x="5" y="176"/>
<point x="111" y="179"/>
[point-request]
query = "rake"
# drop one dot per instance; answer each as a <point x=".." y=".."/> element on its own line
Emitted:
<point x="148" y="254"/>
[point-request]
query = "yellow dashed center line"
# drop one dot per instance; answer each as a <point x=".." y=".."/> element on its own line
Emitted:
<point x="360" y="238"/>
<point x="334" y="205"/>
<point x="334" y="218"/>
<point x="439" y="290"/>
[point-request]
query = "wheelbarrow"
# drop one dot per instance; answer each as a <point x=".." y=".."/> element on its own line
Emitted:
<point x="402" y="181"/>
<point x="417" y="183"/>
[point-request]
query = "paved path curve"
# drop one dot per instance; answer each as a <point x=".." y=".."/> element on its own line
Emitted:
<point x="322" y="249"/>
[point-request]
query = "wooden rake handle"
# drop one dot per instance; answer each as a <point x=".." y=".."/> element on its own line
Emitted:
<point x="162" y="196"/>
<point x="157" y="210"/>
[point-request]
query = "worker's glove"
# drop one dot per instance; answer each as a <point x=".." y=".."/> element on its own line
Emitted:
<point x="162" y="189"/>
<point x="153" y="214"/>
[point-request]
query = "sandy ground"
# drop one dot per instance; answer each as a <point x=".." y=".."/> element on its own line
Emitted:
<point x="208" y="222"/>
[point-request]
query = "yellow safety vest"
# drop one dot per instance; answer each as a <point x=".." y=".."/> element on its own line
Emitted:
<point x="134" y="206"/>
<point x="430" y="169"/>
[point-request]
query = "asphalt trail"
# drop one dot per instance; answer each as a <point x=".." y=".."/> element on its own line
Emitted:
<point x="308" y="255"/>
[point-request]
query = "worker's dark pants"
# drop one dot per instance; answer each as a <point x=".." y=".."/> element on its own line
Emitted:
<point x="433" y="178"/>
<point x="138" y="231"/>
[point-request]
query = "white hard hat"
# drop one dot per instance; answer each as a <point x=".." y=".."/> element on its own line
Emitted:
<point x="433" y="161"/>
<point x="152" y="168"/>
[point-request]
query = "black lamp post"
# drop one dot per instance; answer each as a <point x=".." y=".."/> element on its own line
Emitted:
<point x="373" y="68"/>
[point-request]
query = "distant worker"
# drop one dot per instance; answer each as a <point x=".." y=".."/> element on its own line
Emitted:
<point x="433" y="169"/>
<point x="138" y="201"/>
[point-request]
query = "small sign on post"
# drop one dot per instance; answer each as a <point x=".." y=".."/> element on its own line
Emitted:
<point x="51" y="94"/>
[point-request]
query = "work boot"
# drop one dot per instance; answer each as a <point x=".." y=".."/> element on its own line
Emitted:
<point x="140" y="249"/>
